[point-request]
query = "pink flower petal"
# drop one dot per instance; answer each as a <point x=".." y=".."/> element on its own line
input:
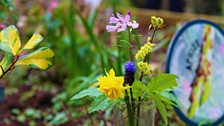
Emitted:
<point x="53" y="4"/>
<point x="113" y="20"/>
<point x="135" y="25"/>
<point x="2" y="26"/>
<point x="120" y="17"/>
<point x="111" y="28"/>
<point x="129" y="24"/>
<point x="118" y="24"/>
<point x="127" y="17"/>
<point x="122" y="28"/>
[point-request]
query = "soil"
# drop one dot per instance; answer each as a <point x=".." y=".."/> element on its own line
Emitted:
<point x="41" y="100"/>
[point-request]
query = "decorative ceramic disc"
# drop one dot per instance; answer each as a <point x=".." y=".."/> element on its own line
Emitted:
<point x="196" y="56"/>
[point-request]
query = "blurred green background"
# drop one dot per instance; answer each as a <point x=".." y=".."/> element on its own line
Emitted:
<point x="75" y="30"/>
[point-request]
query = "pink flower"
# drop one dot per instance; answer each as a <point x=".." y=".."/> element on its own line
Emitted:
<point x="2" y="26"/>
<point x="120" y="23"/>
<point x="52" y="5"/>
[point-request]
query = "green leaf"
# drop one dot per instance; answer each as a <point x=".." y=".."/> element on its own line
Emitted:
<point x="59" y="118"/>
<point x="161" y="107"/>
<point x="7" y="60"/>
<point x="15" y="111"/>
<point x="100" y="103"/>
<point x="170" y="99"/>
<point x="21" y="118"/>
<point x="162" y="82"/>
<point x="93" y="92"/>
<point x="138" y="88"/>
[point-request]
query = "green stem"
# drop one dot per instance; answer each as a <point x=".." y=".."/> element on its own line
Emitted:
<point x="131" y="57"/>
<point x="141" y="78"/>
<point x="119" y="56"/>
<point x="129" y="111"/>
<point x="71" y="29"/>
<point x="12" y="65"/>
<point x="93" y="38"/>
<point x="130" y="49"/>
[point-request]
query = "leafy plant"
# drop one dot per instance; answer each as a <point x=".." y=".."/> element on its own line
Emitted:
<point x="14" y="54"/>
<point x="128" y="89"/>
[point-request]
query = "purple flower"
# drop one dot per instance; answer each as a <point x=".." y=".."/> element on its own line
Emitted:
<point x="120" y="23"/>
<point x="2" y="26"/>
<point x="93" y="4"/>
<point x="129" y="76"/>
<point x="52" y="5"/>
<point x="129" y="66"/>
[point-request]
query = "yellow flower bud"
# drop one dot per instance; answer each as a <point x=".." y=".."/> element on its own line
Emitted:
<point x="157" y="21"/>
<point x="144" y="67"/>
<point x="140" y="55"/>
<point x="154" y="21"/>
<point x="145" y="50"/>
<point x="149" y="39"/>
<point x="141" y="65"/>
<point x="148" y="69"/>
<point x="153" y="45"/>
<point x="160" y="22"/>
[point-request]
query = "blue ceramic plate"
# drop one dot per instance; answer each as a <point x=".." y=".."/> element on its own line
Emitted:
<point x="196" y="56"/>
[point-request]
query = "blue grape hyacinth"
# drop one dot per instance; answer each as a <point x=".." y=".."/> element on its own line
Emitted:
<point x="129" y="73"/>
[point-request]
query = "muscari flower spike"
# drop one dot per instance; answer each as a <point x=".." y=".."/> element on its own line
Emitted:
<point x="120" y="23"/>
<point x="129" y="73"/>
<point x="129" y="66"/>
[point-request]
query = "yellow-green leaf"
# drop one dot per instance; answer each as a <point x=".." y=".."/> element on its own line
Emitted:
<point x="6" y="61"/>
<point x="10" y="40"/>
<point x="1" y="72"/>
<point x="41" y="58"/>
<point x="34" y="41"/>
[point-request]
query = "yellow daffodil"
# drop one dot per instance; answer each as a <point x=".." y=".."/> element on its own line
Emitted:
<point x="111" y="85"/>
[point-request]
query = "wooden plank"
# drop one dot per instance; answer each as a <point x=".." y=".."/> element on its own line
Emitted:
<point x="169" y="17"/>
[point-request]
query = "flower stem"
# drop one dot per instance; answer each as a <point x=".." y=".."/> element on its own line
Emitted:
<point x="131" y="93"/>
<point x="119" y="56"/>
<point x="141" y="78"/>
<point x="10" y="67"/>
<point x="129" y="111"/>
<point x="130" y="49"/>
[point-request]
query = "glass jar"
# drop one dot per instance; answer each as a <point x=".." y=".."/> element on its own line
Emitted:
<point x="143" y="114"/>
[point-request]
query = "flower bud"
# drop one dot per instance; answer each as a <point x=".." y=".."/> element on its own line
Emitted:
<point x="160" y="22"/>
<point x="154" y="21"/>
<point x="157" y="21"/>
<point x="149" y="39"/>
<point x="129" y="73"/>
